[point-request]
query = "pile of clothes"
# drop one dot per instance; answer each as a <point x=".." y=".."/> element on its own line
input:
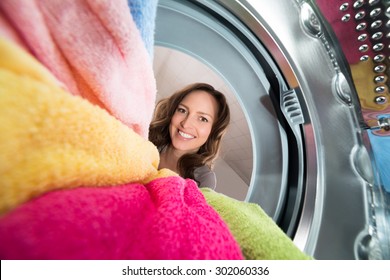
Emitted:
<point x="78" y="177"/>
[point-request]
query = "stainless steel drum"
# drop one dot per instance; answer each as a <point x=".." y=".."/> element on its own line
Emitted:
<point x="312" y="122"/>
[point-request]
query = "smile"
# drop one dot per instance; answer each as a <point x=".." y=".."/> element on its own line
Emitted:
<point x="185" y="135"/>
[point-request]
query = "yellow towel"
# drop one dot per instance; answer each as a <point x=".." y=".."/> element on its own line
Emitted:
<point x="50" y="139"/>
<point x="257" y="234"/>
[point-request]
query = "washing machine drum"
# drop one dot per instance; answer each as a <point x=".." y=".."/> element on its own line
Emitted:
<point x="315" y="100"/>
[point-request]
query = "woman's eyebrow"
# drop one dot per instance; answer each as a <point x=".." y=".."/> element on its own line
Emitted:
<point x="203" y="113"/>
<point x="181" y="104"/>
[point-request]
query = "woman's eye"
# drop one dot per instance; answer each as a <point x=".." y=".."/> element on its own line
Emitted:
<point x="181" y="110"/>
<point x="203" y="119"/>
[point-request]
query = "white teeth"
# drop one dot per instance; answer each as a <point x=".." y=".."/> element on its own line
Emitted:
<point x="185" y="135"/>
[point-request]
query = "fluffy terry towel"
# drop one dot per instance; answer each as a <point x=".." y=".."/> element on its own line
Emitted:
<point x="51" y="139"/>
<point x="165" y="219"/>
<point x="258" y="235"/>
<point x="144" y="14"/>
<point x="76" y="183"/>
<point x="93" y="47"/>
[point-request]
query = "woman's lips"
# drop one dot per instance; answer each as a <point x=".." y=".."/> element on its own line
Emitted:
<point x="186" y="135"/>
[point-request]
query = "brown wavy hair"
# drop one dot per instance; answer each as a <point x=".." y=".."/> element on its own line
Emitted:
<point x="208" y="152"/>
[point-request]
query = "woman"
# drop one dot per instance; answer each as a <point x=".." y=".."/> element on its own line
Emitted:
<point x="187" y="129"/>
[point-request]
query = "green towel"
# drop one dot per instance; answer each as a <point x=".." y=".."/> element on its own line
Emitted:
<point x="259" y="236"/>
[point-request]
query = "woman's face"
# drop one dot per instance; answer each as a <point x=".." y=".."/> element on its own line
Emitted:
<point x="192" y="121"/>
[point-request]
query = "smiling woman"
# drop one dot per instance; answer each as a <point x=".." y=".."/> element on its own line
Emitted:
<point x="192" y="121"/>
<point x="188" y="128"/>
<point x="175" y="69"/>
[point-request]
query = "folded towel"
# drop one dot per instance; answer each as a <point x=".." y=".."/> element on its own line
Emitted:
<point x="258" y="235"/>
<point x="50" y="139"/>
<point x="144" y="15"/>
<point x="94" y="48"/>
<point x="165" y="219"/>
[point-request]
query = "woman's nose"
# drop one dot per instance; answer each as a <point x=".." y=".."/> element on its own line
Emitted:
<point x="186" y="122"/>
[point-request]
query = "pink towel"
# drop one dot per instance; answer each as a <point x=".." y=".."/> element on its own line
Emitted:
<point x="165" y="219"/>
<point x="93" y="47"/>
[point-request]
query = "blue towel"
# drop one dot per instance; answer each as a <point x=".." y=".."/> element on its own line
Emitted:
<point x="381" y="149"/>
<point x="144" y="15"/>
